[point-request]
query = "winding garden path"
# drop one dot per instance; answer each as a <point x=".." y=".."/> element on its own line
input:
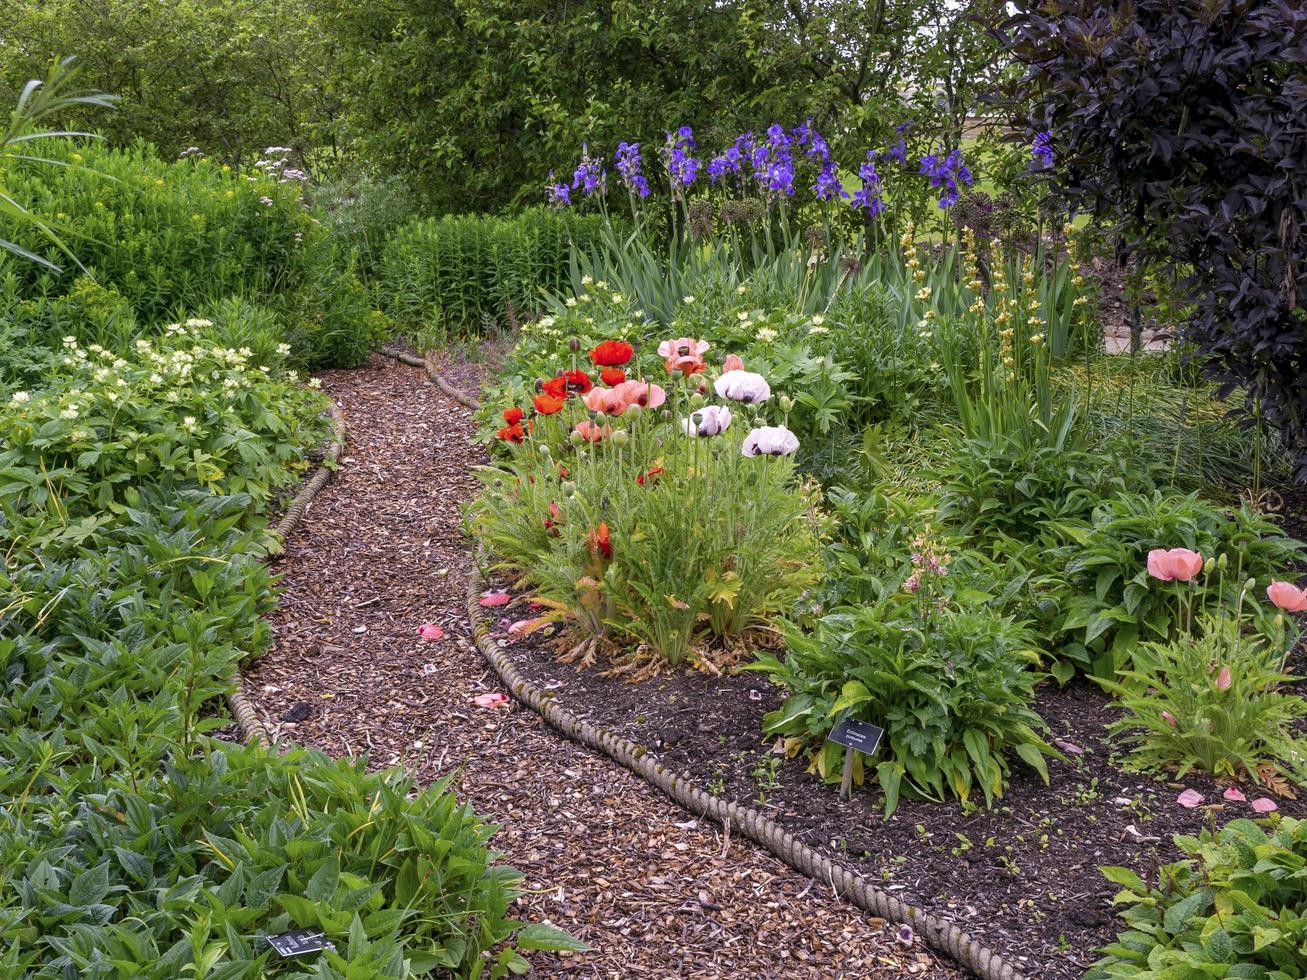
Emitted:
<point x="657" y="893"/>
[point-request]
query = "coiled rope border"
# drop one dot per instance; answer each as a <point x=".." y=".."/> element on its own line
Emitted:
<point x="238" y="701"/>
<point x="939" y="934"/>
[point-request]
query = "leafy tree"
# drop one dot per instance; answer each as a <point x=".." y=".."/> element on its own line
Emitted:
<point x="1183" y="123"/>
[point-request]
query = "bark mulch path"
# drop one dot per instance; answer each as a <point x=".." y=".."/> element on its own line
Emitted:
<point x="657" y="893"/>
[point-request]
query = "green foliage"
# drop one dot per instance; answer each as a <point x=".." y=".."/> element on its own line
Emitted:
<point x="133" y="592"/>
<point x="950" y="682"/>
<point x="1212" y="703"/>
<point x="1231" y="908"/>
<point x="459" y="273"/>
<point x="1111" y="604"/>
<point x="231" y="78"/>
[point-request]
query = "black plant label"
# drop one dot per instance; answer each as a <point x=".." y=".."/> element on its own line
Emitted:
<point x="299" y="942"/>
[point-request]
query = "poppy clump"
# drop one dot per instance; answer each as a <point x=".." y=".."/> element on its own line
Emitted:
<point x="513" y="433"/>
<point x="600" y="542"/>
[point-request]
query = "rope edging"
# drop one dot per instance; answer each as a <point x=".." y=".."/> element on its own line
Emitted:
<point x="247" y="720"/>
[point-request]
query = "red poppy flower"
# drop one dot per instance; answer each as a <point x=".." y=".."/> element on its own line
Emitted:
<point x="512" y="433"/>
<point x="513" y="415"/>
<point x="577" y="381"/>
<point x="555" y="387"/>
<point x="651" y="475"/>
<point x="548" y="404"/>
<point x="612" y="353"/>
<point x="562" y="472"/>
<point x="600" y="542"/>
<point x="612" y="376"/>
<point x="554" y="519"/>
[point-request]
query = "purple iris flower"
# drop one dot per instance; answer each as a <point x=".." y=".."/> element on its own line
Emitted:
<point x="681" y="166"/>
<point x="628" y="162"/>
<point x="869" y="196"/>
<point x="559" y="195"/>
<point x="590" y="176"/>
<point x="828" y="186"/>
<point x="733" y="159"/>
<point x="1042" y="149"/>
<point x="946" y="176"/>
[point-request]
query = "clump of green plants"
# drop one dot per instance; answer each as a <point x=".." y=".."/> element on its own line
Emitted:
<point x="1214" y="702"/>
<point x="459" y="272"/>
<point x="652" y="519"/>
<point x="1110" y="602"/>
<point x="931" y="661"/>
<point x="1231" y="908"/>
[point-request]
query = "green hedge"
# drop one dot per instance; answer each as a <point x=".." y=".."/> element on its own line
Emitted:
<point x="157" y="241"/>
<point x="462" y="271"/>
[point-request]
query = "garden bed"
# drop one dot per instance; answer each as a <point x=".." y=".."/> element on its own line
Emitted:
<point x="1023" y="876"/>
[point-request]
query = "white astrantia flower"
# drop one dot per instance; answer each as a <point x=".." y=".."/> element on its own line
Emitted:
<point x="770" y="440"/>
<point x="707" y="421"/>
<point x="767" y="335"/>
<point x="19" y="398"/>
<point x="743" y="386"/>
<point x="818" y="330"/>
<point x="198" y="323"/>
<point x="315" y="382"/>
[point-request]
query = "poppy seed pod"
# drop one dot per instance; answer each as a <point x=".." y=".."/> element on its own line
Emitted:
<point x="540" y="385"/>
<point x="574" y="345"/>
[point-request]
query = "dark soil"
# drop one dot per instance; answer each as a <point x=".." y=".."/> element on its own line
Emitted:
<point x="1022" y="877"/>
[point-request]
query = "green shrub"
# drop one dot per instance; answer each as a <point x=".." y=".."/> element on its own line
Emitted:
<point x="1109" y="601"/>
<point x="1214" y="703"/>
<point x="459" y="272"/>
<point x="1232" y="908"/>
<point x="933" y="663"/>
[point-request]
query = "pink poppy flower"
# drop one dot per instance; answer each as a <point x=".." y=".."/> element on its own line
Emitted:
<point x="1234" y="795"/>
<point x="1287" y="596"/>
<point x="590" y="432"/>
<point x="685" y="354"/>
<point x="641" y="393"/>
<point x="1176" y="565"/>
<point x="489" y="599"/>
<point x="1189" y="799"/>
<point x="732" y="362"/>
<point x="1263" y="805"/>
<point x="430" y="631"/>
<point x="493" y="700"/>
<point x="1224" y="679"/>
<point x="606" y="401"/>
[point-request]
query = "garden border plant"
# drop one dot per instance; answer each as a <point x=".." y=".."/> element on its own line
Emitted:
<point x="939" y="934"/>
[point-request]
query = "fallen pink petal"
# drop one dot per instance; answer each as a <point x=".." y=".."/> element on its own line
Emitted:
<point x="1263" y="805"/>
<point x="1234" y="795"/>
<point x="1066" y="746"/>
<point x="431" y="631"/>
<point x="489" y="599"/>
<point x="1189" y="799"/>
<point x="492" y="700"/>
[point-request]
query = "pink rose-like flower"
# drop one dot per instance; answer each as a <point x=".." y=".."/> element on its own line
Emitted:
<point x="1234" y="795"/>
<point x="1176" y="565"/>
<point x="1287" y="596"/>
<point x="430" y="631"/>
<point x="1263" y="805"/>
<point x="1189" y="799"/>
<point x="733" y="362"/>
<point x="743" y="386"/>
<point x="1224" y="679"/>
<point x="641" y="393"/>
<point x="493" y="700"/>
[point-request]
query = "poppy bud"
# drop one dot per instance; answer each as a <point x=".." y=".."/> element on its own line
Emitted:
<point x="544" y="449"/>
<point x="665" y="414"/>
<point x="574" y="345"/>
<point x="1208" y="566"/>
<point x="1222" y="562"/>
<point x="540" y="385"/>
<point x="569" y="489"/>
<point x="787" y="403"/>
<point x="574" y="438"/>
<point x="620" y="438"/>
<point x="1250" y="584"/>
<point x="696" y="400"/>
<point x="633" y="411"/>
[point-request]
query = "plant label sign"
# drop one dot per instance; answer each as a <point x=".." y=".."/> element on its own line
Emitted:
<point x="299" y="942"/>
<point x="855" y="736"/>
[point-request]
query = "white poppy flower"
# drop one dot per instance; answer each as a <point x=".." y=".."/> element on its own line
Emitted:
<point x="707" y="421"/>
<point x="769" y="440"/>
<point x="743" y="386"/>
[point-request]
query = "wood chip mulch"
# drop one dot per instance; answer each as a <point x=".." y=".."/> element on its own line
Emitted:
<point x="608" y="858"/>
